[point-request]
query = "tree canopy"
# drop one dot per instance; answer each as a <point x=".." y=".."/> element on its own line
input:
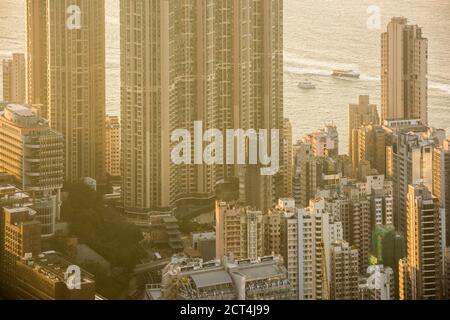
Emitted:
<point x="101" y="227"/>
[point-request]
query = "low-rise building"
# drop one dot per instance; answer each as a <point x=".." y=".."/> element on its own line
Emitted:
<point x="50" y="276"/>
<point x="20" y="236"/>
<point x="378" y="285"/>
<point x="249" y="279"/>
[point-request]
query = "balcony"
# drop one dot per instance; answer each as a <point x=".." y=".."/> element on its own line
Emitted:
<point x="33" y="174"/>
<point x="32" y="146"/>
<point x="32" y="160"/>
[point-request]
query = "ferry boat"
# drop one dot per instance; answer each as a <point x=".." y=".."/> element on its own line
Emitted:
<point x="346" y="74"/>
<point x="306" y="85"/>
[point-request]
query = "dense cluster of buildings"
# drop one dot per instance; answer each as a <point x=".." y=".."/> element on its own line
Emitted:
<point x="26" y="272"/>
<point x="371" y="224"/>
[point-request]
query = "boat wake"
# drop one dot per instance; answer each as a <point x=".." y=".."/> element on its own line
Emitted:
<point x="315" y="68"/>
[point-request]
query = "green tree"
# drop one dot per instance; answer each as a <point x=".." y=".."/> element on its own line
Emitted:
<point x="101" y="227"/>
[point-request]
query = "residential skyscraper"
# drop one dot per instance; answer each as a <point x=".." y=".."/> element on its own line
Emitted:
<point x="359" y="218"/>
<point x="339" y="207"/>
<point x="258" y="80"/>
<point x="307" y="236"/>
<point x="239" y="232"/>
<point x="441" y="181"/>
<point x="404" y="68"/>
<point x="404" y="286"/>
<point x="363" y="113"/>
<point x="273" y="243"/>
<point x="216" y="62"/>
<point x="34" y="154"/>
<point x="369" y="144"/>
<point x="36" y="55"/>
<point x="70" y="63"/>
<point x="113" y="147"/>
<point x="344" y="271"/>
<point x="447" y="272"/>
<point x="288" y="167"/>
<point x="410" y="150"/>
<point x="306" y="175"/>
<point x="380" y="191"/>
<point x="14" y="79"/>
<point x="290" y="247"/>
<point x="350" y="203"/>
<point x="423" y="265"/>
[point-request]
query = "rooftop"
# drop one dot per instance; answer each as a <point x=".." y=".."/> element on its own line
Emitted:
<point x="23" y="116"/>
<point x="262" y="271"/>
<point x="54" y="266"/>
<point x="204" y="236"/>
<point x="7" y="188"/>
<point x="211" y="278"/>
<point x="20" y="110"/>
<point x="153" y="292"/>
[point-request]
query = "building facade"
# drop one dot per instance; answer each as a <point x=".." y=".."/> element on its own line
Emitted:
<point x="359" y="218"/>
<point x="288" y="158"/>
<point x="370" y="146"/>
<point x="441" y="182"/>
<point x="263" y="278"/>
<point x="20" y="236"/>
<point x="14" y="79"/>
<point x="50" y="276"/>
<point x="344" y="272"/>
<point x="379" y="285"/>
<point x="113" y="147"/>
<point x="324" y="142"/>
<point x="422" y="268"/>
<point x="307" y="174"/>
<point x="191" y="62"/>
<point x="404" y="69"/>
<point x="273" y="224"/>
<point x="66" y="75"/>
<point x="36" y="55"/>
<point x="380" y="191"/>
<point x="307" y="236"/>
<point x="34" y="154"/>
<point x="239" y="231"/>
<point x="410" y="146"/>
<point x="363" y="113"/>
